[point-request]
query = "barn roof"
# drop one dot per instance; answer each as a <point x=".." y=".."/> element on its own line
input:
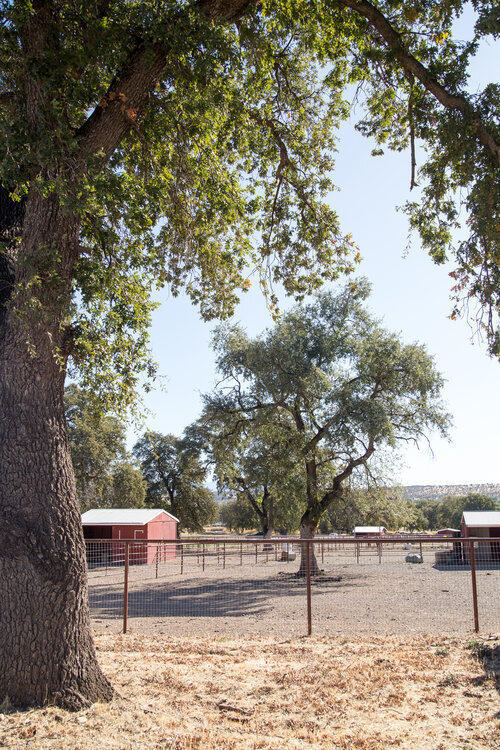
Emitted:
<point x="481" y="518"/>
<point x="368" y="529"/>
<point x="122" y="516"/>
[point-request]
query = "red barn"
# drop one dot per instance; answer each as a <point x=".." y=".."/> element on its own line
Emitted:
<point x="129" y="523"/>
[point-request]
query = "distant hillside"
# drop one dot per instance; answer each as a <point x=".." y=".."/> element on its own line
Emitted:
<point x="426" y="491"/>
<point x="435" y="491"/>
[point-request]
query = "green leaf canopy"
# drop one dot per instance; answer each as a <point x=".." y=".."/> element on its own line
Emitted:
<point x="193" y="144"/>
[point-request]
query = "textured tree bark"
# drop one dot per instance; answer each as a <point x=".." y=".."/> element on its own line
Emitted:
<point x="267" y="531"/>
<point x="310" y="519"/>
<point x="46" y="649"/>
<point x="307" y="531"/>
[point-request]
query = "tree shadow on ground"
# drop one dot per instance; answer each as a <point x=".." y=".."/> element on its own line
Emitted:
<point x="488" y="655"/>
<point x="221" y="597"/>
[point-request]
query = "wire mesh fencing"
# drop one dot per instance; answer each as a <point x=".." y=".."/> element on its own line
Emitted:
<point x="288" y="587"/>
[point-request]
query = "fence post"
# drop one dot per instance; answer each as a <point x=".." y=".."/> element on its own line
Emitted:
<point x="157" y="551"/>
<point x="474" y="585"/>
<point x="255" y="554"/>
<point x="322" y="552"/>
<point x="241" y="553"/>
<point x="224" y="555"/>
<point x="308" y="587"/>
<point x="182" y="559"/>
<point x="421" y="552"/>
<point x="379" y="553"/>
<point x="125" y="586"/>
<point x="203" y="556"/>
<point x="357" y="552"/>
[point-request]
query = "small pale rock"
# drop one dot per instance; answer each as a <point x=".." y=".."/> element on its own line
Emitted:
<point x="414" y="557"/>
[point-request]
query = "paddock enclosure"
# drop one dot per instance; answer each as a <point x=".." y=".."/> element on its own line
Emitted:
<point x="239" y="587"/>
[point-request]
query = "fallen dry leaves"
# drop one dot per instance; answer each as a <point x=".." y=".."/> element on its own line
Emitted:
<point x="364" y="693"/>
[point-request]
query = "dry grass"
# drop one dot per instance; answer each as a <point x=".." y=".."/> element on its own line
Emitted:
<point x="373" y="693"/>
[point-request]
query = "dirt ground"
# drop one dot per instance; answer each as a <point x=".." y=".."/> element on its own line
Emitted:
<point x="266" y="599"/>
<point x="215" y="694"/>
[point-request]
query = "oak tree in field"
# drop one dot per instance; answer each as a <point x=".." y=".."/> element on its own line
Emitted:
<point x="128" y="487"/>
<point x="175" y="480"/>
<point x="251" y="461"/>
<point x="97" y="442"/>
<point x="105" y="474"/>
<point x="339" y="388"/>
<point x="236" y="514"/>
<point x="145" y="144"/>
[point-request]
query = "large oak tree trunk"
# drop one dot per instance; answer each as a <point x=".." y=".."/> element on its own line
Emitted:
<point x="309" y="520"/>
<point x="267" y="533"/>
<point x="309" y="524"/>
<point x="268" y="505"/>
<point x="46" y="649"/>
<point x="307" y="531"/>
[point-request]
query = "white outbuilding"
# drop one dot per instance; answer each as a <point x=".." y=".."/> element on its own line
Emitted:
<point x="483" y="524"/>
<point x="369" y="531"/>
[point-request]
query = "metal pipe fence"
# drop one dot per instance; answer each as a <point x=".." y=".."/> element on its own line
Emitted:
<point x="240" y="586"/>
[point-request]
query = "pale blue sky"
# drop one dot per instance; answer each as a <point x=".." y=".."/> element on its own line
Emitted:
<point x="410" y="293"/>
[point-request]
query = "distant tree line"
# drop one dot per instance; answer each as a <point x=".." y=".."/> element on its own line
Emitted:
<point x="106" y="474"/>
<point x="368" y="507"/>
<point x="162" y="471"/>
<point x="440" y="491"/>
<point x="447" y="511"/>
<point x="361" y="507"/>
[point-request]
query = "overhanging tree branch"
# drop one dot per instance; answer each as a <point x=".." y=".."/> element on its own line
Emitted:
<point x="412" y="66"/>
<point x="131" y="88"/>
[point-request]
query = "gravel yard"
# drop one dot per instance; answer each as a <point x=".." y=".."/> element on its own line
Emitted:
<point x="267" y="599"/>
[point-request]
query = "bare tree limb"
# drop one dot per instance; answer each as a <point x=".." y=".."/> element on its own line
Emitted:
<point x="261" y="514"/>
<point x="340" y="478"/>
